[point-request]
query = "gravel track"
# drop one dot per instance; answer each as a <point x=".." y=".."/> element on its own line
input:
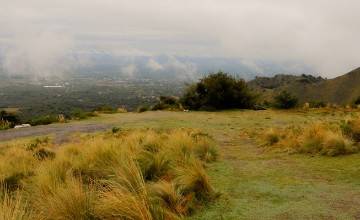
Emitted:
<point x="61" y="131"/>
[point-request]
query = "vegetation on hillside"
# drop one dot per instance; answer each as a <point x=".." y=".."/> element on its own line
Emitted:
<point x="118" y="175"/>
<point x="167" y="103"/>
<point x="341" y="90"/>
<point x="8" y="120"/>
<point x="285" y="100"/>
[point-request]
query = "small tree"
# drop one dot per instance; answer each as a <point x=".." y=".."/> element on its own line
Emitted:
<point x="285" y="100"/>
<point x="218" y="91"/>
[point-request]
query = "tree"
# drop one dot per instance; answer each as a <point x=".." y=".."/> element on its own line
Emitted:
<point x="285" y="100"/>
<point x="218" y="91"/>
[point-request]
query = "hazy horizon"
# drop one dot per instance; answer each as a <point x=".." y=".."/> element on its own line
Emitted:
<point x="320" y="37"/>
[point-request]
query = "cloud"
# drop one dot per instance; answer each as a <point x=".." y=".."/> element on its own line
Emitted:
<point x="129" y="70"/>
<point x="322" y="33"/>
<point x="153" y="65"/>
<point x="38" y="54"/>
<point x="183" y="70"/>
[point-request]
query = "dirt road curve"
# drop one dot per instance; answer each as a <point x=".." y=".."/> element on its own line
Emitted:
<point x="61" y="131"/>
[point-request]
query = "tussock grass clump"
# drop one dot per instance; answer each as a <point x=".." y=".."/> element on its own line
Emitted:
<point x="126" y="195"/>
<point x="154" y="165"/>
<point x="16" y="164"/>
<point x="317" y="138"/>
<point x="37" y="142"/>
<point x="170" y="197"/>
<point x="70" y="200"/>
<point x="322" y="139"/>
<point x="142" y="174"/>
<point x="12" y="207"/>
<point x="192" y="180"/>
<point x="351" y="128"/>
<point x="271" y="137"/>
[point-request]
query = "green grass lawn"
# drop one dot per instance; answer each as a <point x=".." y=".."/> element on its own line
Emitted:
<point x="258" y="184"/>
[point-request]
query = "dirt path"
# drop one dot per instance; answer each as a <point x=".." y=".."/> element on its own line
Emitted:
<point x="61" y="131"/>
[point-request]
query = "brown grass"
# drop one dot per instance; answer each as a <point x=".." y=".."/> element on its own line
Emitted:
<point x="125" y="175"/>
<point x="316" y="138"/>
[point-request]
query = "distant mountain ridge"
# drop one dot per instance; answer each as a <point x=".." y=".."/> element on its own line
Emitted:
<point x="340" y="90"/>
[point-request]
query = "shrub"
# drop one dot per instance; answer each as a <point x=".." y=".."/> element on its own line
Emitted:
<point x="115" y="130"/>
<point x="8" y="120"/>
<point x="141" y="109"/>
<point x="44" y="120"/>
<point x="106" y="109"/>
<point x="166" y="102"/>
<point x="218" y="91"/>
<point x="80" y="114"/>
<point x="4" y="125"/>
<point x="284" y="100"/>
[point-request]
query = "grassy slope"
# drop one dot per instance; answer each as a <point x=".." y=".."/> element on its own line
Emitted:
<point x="262" y="185"/>
<point x="340" y="90"/>
<point x="257" y="184"/>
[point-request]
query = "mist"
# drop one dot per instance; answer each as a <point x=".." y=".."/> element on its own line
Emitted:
<point x="37" y="36"/>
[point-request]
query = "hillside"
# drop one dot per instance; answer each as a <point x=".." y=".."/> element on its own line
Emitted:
<point x="340" y="90"/>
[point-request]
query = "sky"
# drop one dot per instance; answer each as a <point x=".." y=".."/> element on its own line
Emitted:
<point x="40" y="34"/>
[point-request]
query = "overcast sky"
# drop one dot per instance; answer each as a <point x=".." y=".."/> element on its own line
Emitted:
<point x="323" y="34"/>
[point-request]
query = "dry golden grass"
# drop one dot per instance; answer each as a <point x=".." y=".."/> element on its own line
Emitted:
<point x="316" y="138"/>
<point x="12" y="207"/>
<point x="142" y="174"/>
<point x="351" y="128"/>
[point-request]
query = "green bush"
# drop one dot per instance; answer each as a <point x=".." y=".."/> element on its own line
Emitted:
<point x="115" y="130"/>
<point x="166" y="102"/>
<point x="80" y="114"/>
<point x="44" y="120"/>
<point x="4" y="125"/>
<point x="106" y="109"/>
<point x="285" y="100"/>
<point x="218" y="91"/>
<point x="8" y="120"/>
<point x="141" y="109"/>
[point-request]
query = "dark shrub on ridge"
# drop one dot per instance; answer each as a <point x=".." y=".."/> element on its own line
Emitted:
<point x="285" y="100"/>
<point x="218" y="91"/>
